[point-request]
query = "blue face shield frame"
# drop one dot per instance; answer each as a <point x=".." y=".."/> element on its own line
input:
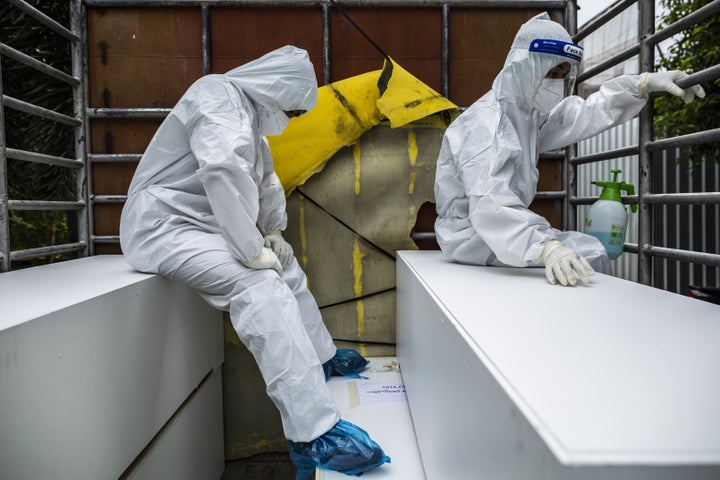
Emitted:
<point x="557" y="47"/>
<point x="560" y="49"/>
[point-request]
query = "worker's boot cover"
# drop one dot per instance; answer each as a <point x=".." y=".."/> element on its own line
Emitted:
<point x="345" y="363"/>
<point x="345" y="448"/>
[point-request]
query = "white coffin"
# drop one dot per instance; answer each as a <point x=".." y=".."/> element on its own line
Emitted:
<point x="95" y="360"/>
<point x="509" y="377"/>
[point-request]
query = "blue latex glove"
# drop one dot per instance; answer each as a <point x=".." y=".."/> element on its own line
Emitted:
<point x="345" y="448"/>
<point x="345" y="363"/>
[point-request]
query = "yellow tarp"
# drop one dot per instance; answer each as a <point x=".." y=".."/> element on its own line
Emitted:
<point x="345" y="110"/>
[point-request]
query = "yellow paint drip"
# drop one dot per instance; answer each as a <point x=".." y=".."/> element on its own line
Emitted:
<point x="357" y="275"/>
<point x="412" y="154"/>
<point x="303" y="233"/>
<point x="356" y="156"/>
<point x="412" y="217"/>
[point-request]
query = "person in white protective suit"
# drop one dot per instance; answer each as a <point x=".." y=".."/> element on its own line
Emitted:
<point x="205" y="208"/>
<point x="487" y="172"/>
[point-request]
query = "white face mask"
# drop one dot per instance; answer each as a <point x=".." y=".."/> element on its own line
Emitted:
<point x="272" y="123"/>
<point x="550" y="93"/>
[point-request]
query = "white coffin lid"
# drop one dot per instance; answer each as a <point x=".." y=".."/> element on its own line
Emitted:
<point x="612" y="372"/>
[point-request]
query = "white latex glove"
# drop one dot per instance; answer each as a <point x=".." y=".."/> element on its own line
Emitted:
<point x="282" y="249"/>
<point x="265" y="259"/>
<point x="665" y="82"/>
<point x="564" y="265"/>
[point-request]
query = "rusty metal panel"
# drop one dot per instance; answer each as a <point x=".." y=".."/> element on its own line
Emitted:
<point x="112" y="178"/>
<point x="108" y="249"/>
<point x="411" y="36"/>
<point x="119" y="135"/>
<point x="142" y="57"/>
<point x="479" y="42"/>
<point x="241" y="34"/>
<point x="107" y="218"/>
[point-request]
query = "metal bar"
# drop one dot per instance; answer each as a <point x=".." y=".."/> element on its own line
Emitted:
<point x="550" y="194"/>
<point x="31" y="253"/>
<point x="326" y="42"/>
<point x="610" y="62"/>
<point x="626" y="200"/>
<point x="20" y="57"/>
<point x="31" y="109"/>
<point x="555" y="155"/>
<point x="114" y="157"/>
<point x="571" y="17"/>
<point x="109" y="198"/>
<point x="43" y="158"/>
<point x="706" y="136"/>
<point x="698" y="16"/>
<point x="569" y="212"/>
<point x="106" y="239"/>
<point x="646" y="133"/>
<point x="44" y="205"/>
<point x="79" y="70"/>
<point x="702" y="258"/>
<point x="422" y="235"/>
<point x="45" y="20"/>
<point x="699" y="198"/>
<point x="445" y="60"/>
<point x="607" y="155"/>
<point x="602" y="18"/>
<point x="536" y="4"/>
<point x="707" y="75"/>
<point x="127" y="112"/>
<point x="570" y="170"/>
<point x="206" y="54"/>
<point x="4" y="213"/>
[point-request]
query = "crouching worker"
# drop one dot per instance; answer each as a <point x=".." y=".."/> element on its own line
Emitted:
<point x="205" y="208"/>
<point x="487" y="172"/>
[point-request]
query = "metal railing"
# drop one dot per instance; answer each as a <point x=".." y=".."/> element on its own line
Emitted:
<point x="647" y="199"/>
<point x="76" y="121"/>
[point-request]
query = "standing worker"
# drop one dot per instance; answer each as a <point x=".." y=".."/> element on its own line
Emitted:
<point x="487" y="167"/>
<point x="205" y="208"/>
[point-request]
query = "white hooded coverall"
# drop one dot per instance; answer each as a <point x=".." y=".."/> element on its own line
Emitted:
<point x="203" y="196"/>
<point x="487" y="172"/>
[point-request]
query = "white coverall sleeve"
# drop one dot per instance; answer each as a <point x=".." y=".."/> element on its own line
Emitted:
<point x="272" y="215"/>
<point x="575" y="119"/>
<point x="497" y="212"/>
<point x="221" y="138"/>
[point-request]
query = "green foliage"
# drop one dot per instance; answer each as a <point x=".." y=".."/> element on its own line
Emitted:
<point x="26" y="180"/>
<point x="694" y="49"/>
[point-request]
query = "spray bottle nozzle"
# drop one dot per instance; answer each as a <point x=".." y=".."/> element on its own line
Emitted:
<point x="611" y="190"/>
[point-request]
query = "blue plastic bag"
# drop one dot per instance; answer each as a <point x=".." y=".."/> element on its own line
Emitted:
<point x="345" y="448"/>
<point x="346" y="363"/>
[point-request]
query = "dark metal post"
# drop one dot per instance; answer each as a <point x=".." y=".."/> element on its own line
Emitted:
<point x="205" y="20"/>
<point x="4" y="213"/>
<point x="646" y="28"/>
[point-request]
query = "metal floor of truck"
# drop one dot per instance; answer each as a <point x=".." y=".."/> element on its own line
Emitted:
<point x="266" y="466"/>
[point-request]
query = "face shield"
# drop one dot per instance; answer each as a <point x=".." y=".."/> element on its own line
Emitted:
<point x="563" y="58"/>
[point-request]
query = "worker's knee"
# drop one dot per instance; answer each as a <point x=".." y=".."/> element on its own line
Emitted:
<point x="267" y="296"/>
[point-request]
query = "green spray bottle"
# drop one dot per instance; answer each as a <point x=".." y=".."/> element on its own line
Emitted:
<point x="607" y="218"/>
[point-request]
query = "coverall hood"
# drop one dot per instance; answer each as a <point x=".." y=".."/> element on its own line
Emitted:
<point x="530" y="59"/>
<point x="283" y="79"/>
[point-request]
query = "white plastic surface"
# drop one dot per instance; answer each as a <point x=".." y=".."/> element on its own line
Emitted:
<point x="94" y="360"/>
<point x="612" y="374"/>
<point x="387" y="421"/>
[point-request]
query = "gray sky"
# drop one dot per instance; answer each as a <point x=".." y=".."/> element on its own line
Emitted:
<point x="590" y="8"/>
